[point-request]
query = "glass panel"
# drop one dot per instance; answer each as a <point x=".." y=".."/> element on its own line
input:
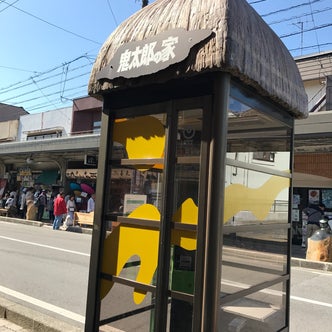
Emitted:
<point x="252" y="257"/>
<point x="130" y="254"/>
<point x="253" y="198"/>
<point x="129" y="316"/>
<point x="252" y="131"/>
<point x="184" y="237"/>
<point x="256" y="219"/>
<point x="261" y="311"/>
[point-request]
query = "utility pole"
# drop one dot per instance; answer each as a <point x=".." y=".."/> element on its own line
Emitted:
<point x="300" y="25"/>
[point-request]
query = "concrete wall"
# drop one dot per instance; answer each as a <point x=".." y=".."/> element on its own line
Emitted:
<point x="8" y="130"/>
<point x="59" y="118"/>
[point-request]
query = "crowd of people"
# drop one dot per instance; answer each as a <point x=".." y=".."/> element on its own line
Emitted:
<point x="32" y="204"/>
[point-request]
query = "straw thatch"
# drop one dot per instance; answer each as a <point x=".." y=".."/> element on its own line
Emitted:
<point x="242" y="44"/>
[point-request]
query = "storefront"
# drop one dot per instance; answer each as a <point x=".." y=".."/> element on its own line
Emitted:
<point x="303" y="198"/>
<point x="196" y="148"/>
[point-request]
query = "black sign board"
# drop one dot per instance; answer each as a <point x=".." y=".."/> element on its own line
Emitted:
<point x="90" y="160"/>
<point x="153" y="54"/>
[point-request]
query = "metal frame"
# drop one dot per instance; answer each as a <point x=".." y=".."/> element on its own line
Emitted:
<point x="213" y="99"/>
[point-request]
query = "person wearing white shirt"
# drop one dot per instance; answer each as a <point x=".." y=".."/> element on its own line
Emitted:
<point x="91" y="203"/>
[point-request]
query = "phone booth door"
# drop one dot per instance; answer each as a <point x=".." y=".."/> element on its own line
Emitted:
<point x="155" y="184"/>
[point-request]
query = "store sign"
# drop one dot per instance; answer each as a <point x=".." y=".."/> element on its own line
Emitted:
<point x="153" y="54"/>
<point x="90" y="160"/>
<point x="132" y="202"/>
<point x="90" y="173"/>
<point x="24" y="171"/>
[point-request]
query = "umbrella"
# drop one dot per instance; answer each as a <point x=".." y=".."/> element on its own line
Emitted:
<point x="87" y="188"/>
<point x="77" y="193"/>
<point x="74" y="186"/>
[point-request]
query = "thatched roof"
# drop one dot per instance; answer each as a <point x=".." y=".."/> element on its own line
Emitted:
<point x="242" y="44"/>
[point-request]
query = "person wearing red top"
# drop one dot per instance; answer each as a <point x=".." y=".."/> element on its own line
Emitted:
<point x="60" y="209"/>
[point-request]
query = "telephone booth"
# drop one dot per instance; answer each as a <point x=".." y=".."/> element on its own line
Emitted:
<point x="192" y="222"/>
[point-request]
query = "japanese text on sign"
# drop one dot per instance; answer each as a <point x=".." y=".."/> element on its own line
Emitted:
<point x="143" y="56"/>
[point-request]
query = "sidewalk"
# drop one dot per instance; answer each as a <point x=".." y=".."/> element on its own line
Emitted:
<point x="16" y="317"/>
<point x="7" y="326"/>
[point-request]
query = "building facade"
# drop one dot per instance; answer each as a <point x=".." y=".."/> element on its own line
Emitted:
<point x="312" y="177"/>
<point x="50" y="150"/>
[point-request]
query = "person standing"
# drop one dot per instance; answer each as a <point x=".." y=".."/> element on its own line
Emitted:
<point x="23" y="204"/>
<point x="42" y="202"/>
<point x="315" y="213"/>
<point x="91" y="203"/>
<point x="59" y="210"/>
<point x="50" y="208"/>
<point x="71" y="207"/>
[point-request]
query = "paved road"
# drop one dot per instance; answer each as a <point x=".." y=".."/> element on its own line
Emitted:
<point x="45" y="269"/>
<point x="48" y="270"/>
<point x="311" y="300"/>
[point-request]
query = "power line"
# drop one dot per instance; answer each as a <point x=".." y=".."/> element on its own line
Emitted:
<point x="254" y="2"/>
<point x="14" y="86"/>
<point x="110" y="8"/>
<point x="289" y="8"/>
<point x="307" y="30"/>
<point x="313" y="20"/>
<point x="309" y="47"/>
<point x="300" y="16"/>
<point x="55" y="78"/>
<point x="8" y="5"/>
<point x="62" y="76"/>
<point x="53" y="25"/>
<point x="19" y="69"/>
<point x="45" y="87"/>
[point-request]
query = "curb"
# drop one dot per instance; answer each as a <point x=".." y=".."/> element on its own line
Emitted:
<point x="75" y="229"/>
<point x="33" y="320"/>
<point x="323" y="266"/>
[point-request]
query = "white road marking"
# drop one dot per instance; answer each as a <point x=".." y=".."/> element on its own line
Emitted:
<point x="45" y="246"/>
<point x="277" y="293"/>
<point x="302" y="299"/>
<point x="42" y="304"/>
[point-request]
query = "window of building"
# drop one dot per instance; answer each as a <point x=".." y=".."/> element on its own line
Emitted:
<point x="263" y="155"/>
<point x="96" y="127"/>
<point x="43" y="134"/>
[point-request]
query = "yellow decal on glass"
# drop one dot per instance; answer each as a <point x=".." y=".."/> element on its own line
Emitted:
<point x="257" y="200"/>
<point x="143" y="137"/>
<point x="127" y="240"/>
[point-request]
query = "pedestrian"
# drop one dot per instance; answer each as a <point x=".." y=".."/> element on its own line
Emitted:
<point x="50" y="208"/>
<point x="60" y="209"/>
<point x="42" y="203"/>
<point x="315" y="213"/>
<point x="31" y="209"/>
<point x="71" y="207"/>
<point x="91" y="203"/>
<point x="23" y="204"/>
<point x="13" y="193"/>
<point x="4" y="200"/>
<point x="9" y="202"/>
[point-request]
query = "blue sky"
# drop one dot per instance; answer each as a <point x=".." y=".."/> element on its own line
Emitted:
<point x="48" y="47"/>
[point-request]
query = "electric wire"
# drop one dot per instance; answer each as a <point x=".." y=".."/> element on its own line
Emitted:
<point x="54" y="25"/>
<point x="69" y="85"/>
<point x="8" y="5"/>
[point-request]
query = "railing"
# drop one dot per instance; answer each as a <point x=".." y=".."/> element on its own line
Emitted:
<point x="317" y="100"/>
<point x="279" y="206"/>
